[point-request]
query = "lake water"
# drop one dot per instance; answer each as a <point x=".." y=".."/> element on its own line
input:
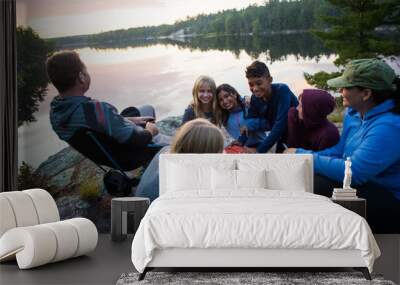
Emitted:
<point x="162" y="74"/>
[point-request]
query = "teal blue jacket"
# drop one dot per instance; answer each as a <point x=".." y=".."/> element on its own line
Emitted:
<point x="372" y="143"/>
<point x="71" y="113"/>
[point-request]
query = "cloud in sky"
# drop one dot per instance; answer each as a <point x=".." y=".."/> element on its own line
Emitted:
<point x="55" y="18"/>
<point x="52" y="8"/>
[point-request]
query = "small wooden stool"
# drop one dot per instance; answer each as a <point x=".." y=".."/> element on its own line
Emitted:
<point x="126" y="214"/>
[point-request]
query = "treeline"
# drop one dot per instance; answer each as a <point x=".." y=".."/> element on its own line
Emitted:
<point x="273" y="16"/>
<point x="275" y="46"/>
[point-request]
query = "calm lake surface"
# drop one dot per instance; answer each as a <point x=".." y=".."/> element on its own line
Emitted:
<point x="162" y="74"/>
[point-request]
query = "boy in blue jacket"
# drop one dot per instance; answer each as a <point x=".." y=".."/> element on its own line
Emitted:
<point x="371" y="136"/>
<point x="270" y="102"/>
<point x="72" y="111"/>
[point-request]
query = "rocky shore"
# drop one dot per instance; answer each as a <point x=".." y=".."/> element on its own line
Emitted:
<point x="76" y="182"/>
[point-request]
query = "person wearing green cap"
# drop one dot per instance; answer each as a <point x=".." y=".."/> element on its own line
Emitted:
<point x="371" y="138"/>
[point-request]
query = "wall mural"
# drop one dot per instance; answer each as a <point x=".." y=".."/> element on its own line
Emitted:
<point x="150" y="53"/>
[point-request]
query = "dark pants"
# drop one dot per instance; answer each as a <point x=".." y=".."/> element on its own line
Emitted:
<point x="146" y="154"/>
<point x="383" y="208"/>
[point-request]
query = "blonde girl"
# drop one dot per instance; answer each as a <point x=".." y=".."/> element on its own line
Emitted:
<point x="204" y="103"/>
<point x="196" y="136"/>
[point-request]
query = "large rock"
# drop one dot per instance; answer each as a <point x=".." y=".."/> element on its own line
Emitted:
<point x="67" y="170"/>
<point x="97" y="210"/>
<point x="60" y="161"/>
<point x="169" y="125"/>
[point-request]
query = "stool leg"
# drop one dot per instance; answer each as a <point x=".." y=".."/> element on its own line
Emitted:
<point x="140" y="211"/>
<point x="116" y="222"/>
<point x="131" y="220"/>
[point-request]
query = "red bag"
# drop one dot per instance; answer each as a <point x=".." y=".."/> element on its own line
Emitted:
<point x="234" y="149"/>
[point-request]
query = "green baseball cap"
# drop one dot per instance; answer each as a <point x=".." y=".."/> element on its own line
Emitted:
<point x="370" y="73"/>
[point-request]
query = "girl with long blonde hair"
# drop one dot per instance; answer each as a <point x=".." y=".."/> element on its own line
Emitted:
<point x="204" y="103"/>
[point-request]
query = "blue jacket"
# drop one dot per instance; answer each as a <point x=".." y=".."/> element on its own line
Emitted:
<point x="235" y="122"/>
<point x="256" y="127"/>
<point x="372" y="143"/>
<point x="69" y="114"/>
<point x="274" y="111"/>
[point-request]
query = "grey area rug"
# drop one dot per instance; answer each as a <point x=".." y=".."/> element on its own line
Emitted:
<point x="269" y="278"/>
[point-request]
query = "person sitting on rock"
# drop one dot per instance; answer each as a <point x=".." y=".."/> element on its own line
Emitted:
<point x="129" y="137"/>
<point x="308" y="126"/>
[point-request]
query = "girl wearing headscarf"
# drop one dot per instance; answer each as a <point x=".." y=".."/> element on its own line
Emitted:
<point x="308" y="126"/>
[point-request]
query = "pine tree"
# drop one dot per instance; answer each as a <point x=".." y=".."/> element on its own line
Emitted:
<point x="32" y="79"/>
<point x="352" y="28"/>
<point x="357" y="29"/>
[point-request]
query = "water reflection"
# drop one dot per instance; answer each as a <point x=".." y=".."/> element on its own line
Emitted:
<point x="163" y="75"/>
<point x="277" y="46"/>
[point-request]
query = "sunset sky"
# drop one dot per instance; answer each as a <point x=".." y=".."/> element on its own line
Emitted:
<point x="56" y="18"/>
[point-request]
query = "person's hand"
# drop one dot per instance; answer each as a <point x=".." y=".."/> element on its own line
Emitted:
<point x="247" y="100"/>
<point x="141" y="120"/>
<point x="249" y="149"/>
<point x="235" y="142"/>
<point x="244" y="131"/>
<point x="152" y="128"/>
<point x="290" y="150"/>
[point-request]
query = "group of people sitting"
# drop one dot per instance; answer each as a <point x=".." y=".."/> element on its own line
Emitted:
<point x="273" y="119"/>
